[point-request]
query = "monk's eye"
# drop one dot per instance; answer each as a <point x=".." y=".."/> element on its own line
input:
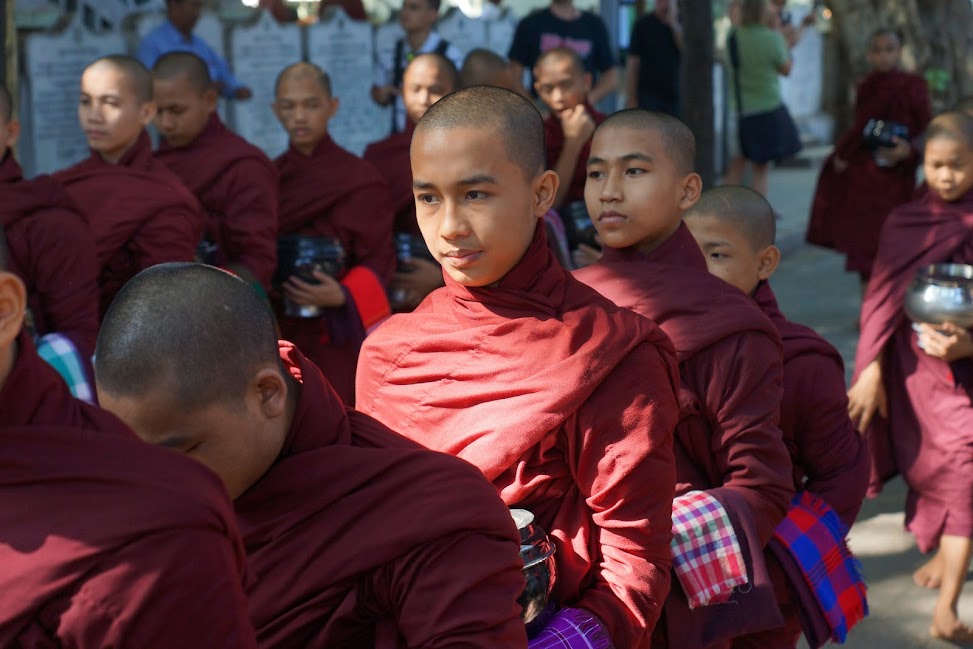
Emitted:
<point x="475" y="195"/>
<point x="85" y="101"/>
<point x="635" y="171"/>
<point x="596" y="175"/>
<point x="427" y="199"/>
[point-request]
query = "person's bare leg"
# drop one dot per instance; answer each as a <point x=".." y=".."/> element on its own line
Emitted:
<point x="930" y="574"/>
<point x="956" y="552"/>
<point x="734" y="175"/>
<point x="761" y="178"/>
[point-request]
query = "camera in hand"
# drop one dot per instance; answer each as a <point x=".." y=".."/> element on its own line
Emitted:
<point x="299" y="256"/>
<point x="881" y="133"/>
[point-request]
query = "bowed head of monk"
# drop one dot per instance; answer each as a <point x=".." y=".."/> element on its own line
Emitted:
<point x="187" y="356"/>
<point x="483" y="67"/>
<point x="116" y="104"/>
<point x="640" y="178"/>
<point x="304" y="104"/>
<point x="13" y="308"/>
<point x="735" y="228"/>
<point x="184" y="95"/>
<point x="948" y="160"/>
<point x="9" y="127"/>
<point x="428" y="79"/>
<point x="560" y="80"/>
<point x="480" y="183"/>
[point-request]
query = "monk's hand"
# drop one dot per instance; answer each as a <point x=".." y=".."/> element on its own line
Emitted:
<point x="867" y="396"/>
<point x="577" y="124"/>
<point x="328" y="293"/>
<point x="413" y="285"/>
<point x="948" y="341"/>
<point x="242" y="93"/>
<point x="384" y="95"/>
<point x="893" y="155"/>
<point x="839" y="164"/>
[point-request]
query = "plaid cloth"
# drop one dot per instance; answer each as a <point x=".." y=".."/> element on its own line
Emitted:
<point x="705" y="552"/>
<point x="572" y="628"/>
<point x="61" y="354"/>
<point x="815" y="537"/>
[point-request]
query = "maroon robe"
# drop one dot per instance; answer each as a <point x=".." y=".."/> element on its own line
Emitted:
<point x="332" y="193"/>
<point x="358" y="537"/>
<point x="237" y="187"/>
<point x="566" y="403"/>
<point x="139" y="212"/>
<point x="728" y="442"/>
<point x="51" y="249"/>
<point x="554" y="138"/>
<point x="849" y="208"/>
<point x="829" y="456"/>
<point x="108" y="541"/>
<point x="929" y="431"/>
<point x="391" y="157"/>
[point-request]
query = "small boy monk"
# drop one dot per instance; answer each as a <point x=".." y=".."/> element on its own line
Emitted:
<point x="730" y="455"/>
<point x="483" y="67"/>
<point x="107" y="542"/>
<point x="50" y="248"/>
<point x="355" y="537"/>
<point x="911" y="393"/>
<point x="427" y="79"/>
<point x="139" y="212"/>
<point x="564" y="401"/>
<point x="326" y="191"/>
<point x="233" y="180"/>
<point x="735" y="228"/>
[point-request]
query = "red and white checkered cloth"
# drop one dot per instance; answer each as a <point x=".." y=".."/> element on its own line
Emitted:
<point x="705" y="552"/>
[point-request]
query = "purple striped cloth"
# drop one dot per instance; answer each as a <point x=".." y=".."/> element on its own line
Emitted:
<point x="572" y="628"/>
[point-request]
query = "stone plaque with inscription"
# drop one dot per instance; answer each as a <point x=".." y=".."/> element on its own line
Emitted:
<point x="342" y="47"/>
<point x="464" y="33"/>
<point x="258" y="52"/>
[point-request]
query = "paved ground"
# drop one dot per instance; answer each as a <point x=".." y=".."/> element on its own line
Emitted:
<point x="813" y="288"/>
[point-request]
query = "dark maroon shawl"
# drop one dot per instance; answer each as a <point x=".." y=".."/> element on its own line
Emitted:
<point x="391" y="157"/>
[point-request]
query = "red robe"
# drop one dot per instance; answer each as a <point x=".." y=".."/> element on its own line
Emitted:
<point x="849" y="208"/>
<point x="929" y="431"/>
<point x="108" y="541"/>
<point x="358" y="537"/>
<point x="830" y="457"/>
<point x="51" y="249"/>
<point x="554" y="137"/>
<point x="139" y="212"/>
<point x="728" y="442"/>
<point x="332" y="193"/>
<point x="566" y="403"/>
<point x="391" y="157"/>
<point x="237" y="187"/>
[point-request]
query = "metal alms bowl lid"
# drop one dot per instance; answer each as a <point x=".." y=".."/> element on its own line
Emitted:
<point x="949" y="275"/>
<point x="535" y="545"/>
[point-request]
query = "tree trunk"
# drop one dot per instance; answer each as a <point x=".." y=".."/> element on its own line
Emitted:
<point x="697" y="86"/>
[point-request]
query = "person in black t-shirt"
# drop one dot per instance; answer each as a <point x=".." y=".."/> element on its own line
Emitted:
<point x="652" y="70"/>
<point x="564" y="25"/>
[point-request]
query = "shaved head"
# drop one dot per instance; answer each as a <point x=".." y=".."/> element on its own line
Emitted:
<point x="444" y="66"/>
<point x="485" y="68"/>
<point x="560" y="54"/>
<point x="138" y="76"/>
<point x="745" y="210"/>
<point x="512" y="117"/>
<point x="680" y="144"/>
<point x="301" y="71"/>
<point x="196" y="332"/>
<point x="6" y="104"/>
<point x="956" y="126"/>
<point x="175" y="65"/>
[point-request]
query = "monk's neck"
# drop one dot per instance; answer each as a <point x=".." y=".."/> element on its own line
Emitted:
<point x="417" y="39"/>
<point x="8" y="357"/>
<point x="114" y="157"/>
<point x="650" y="244"/>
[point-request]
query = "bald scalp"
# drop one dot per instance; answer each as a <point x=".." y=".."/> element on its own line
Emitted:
<point x="955" y="125"/>
<point x="483" y="68"/>
<point x="560" y="55"/>
<point x="680" y="143"/>
<point x="137" y="75"/>
<point x="183" y="65"/>
<point x="196" y="332"/>
<point x="743" y="209"/>
<point x="301" y="71"/>
<point x="444" y="66"/>
<point x="6" y="104"/>
<point x="511" y="117"/>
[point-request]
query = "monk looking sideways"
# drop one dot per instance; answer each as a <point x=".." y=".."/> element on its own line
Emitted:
<point x="355" y="536"/>
<point x="102" y="535"/>
<point x="139" y="212"/>
<point x="564" y="401"/>
<point x="233" y="180"/>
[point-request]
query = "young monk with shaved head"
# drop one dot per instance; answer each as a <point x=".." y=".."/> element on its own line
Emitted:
<point x="139" y="212"/>
<point x="427" y="79"/>
<point x="106" y="542"/>
<point x="233" y="180"/>
<point x="355" y="536"/>
<point x="912" y="390"/>
<point x="735" y="228"/>
<point x="326" y="191"/>
<point x="564" y="401"/>
<point x="731" y="461"/>
<point x="483" y="67"/>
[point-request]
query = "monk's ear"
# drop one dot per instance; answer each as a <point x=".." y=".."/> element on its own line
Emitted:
<point x="692" y="187"/>
<point x="210" y="98"/>
<point x="268" y="392"/>
<point x="544" y="190"/>
<point x="13" y="306"/>
<point x="769" y="259"/>
<point x="147" y="112"/>
<point x="13" y="132"/>
<point x="335" y="103"/>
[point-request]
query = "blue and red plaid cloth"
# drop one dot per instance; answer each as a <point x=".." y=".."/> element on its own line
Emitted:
<point x="61" y="354"/>
<point x="572" y="628"/>
<point x="815" y="537"/>
<point x="706" y="555"/>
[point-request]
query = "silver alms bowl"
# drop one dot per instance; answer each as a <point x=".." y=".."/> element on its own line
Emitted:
<point x="941" y="293"/>
<point x="540" y="571"/>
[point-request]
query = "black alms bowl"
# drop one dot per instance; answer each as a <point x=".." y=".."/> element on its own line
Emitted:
<point x="941" y="293"/>
<point x="540" y="571"/>
<point x="299" y="256"/>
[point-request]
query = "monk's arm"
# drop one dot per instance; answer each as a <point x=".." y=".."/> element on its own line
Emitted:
<point x="170" y="235"/>
<point x="251" y="219"/>
<point x="834" y="455"/>
<point x="742" y="380"/>
<point x="565" y="166"/>
<point x="367" y="219"/>
<point x="622" y="460"/>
